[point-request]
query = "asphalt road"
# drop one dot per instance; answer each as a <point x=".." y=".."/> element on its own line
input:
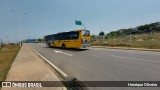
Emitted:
<point x="98" y="64"/>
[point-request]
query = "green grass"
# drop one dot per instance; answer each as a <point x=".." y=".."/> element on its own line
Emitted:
<point x="7" y="56"/>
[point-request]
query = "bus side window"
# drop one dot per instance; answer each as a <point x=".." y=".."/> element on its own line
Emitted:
<point x="76" y="36"/>
<point x="71" y="36"/>
<point x="67" y="36"/>
<point x="64" y="37"/>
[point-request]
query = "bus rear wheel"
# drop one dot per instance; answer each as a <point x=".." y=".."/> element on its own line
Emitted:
<point x="63" y="46"/>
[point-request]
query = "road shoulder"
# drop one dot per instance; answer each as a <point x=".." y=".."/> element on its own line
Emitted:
<point x="125" y="48"/>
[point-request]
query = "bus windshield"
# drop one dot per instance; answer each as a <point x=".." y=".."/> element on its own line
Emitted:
<point x="85" y="33"/>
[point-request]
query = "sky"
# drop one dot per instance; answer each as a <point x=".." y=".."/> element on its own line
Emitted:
<point x="23" y="19"/>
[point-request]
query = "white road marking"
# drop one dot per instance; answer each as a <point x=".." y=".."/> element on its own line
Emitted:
<point x="63" y="53"/>
<point x="136" y="59"/>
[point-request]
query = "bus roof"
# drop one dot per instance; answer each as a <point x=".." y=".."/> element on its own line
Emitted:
<point x="67" y="31"/>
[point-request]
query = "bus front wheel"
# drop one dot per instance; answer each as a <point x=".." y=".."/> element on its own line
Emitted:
<point x="63" y="46"/>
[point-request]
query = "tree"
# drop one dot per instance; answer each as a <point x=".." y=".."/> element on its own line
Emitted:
<point x="101" y="33"/>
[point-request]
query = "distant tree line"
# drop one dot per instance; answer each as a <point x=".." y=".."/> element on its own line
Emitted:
<point x="147" y="28"/>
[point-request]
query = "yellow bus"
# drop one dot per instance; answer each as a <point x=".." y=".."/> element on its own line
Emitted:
<point x="71" y="39"/>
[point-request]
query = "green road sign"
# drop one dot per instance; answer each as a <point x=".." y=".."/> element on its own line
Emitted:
<point x="78" y="22"/>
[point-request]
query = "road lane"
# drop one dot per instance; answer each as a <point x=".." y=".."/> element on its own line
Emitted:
<point x="98" y="64"/>
<point x="145" y="60"/>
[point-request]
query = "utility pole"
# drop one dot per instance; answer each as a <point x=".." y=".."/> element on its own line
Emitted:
<point x="8" y="39"/>
<point x="19" y="26"/>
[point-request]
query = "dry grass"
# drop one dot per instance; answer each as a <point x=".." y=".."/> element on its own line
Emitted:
<point x="150" y="41"/>
<point x="7" y="55"/>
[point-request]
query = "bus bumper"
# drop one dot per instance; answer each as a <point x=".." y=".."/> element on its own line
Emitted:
<point x="85" y="45"/>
